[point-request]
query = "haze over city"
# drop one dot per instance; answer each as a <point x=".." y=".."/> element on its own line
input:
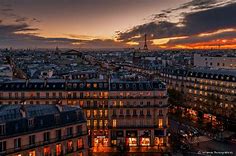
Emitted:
<point x="199" y="24"/>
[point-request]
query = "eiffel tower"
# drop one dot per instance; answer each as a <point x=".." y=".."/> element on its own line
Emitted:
<point x="145" y="47"/>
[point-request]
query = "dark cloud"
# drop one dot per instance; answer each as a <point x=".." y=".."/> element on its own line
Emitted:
<point x="10" y="37"/>
<point x="194" y="23"/>
<point x="21" y="19"/>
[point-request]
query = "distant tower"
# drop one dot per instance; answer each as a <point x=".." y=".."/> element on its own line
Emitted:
<point x="145" y="43"/>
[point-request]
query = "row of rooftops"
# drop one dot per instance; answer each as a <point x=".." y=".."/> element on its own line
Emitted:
<point x="215" y="74"/>
<point x="78" y="85"/>
<point x="17" y="112"/>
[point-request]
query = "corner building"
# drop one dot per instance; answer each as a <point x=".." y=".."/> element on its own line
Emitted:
<point x="133" y="113"/>
<point x="42" y="130"/>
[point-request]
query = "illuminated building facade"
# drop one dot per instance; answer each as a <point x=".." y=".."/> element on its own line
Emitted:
<point x="118" y="112"/>
<point x="32" y="130"/>
<point x="212" y="92"/>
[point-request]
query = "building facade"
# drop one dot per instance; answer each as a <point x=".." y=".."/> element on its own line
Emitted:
<point x="133" y="113"/>
<point x="35" y="130"/>
<point x="212" y="92"/>
<point x="226" y="62"/>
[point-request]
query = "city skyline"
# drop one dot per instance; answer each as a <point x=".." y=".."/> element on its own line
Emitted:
<point x="117" y="24"/>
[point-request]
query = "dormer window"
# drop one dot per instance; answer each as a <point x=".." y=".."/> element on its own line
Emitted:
<point x="113" y="86"/>
<point x="127" y="85"/>
<point x="74" y="85"/>
<point x="141" y="86"/>
<point x="81" y="85"/>
<point x="120" y="86"/>
<point x="100" y="85"/>
<point x="88" y="85"/>
<point x="95" y="85"/>
<point x="31" y="122"/>
<point x="41" y="122"/>
<point x="2" y="129"/>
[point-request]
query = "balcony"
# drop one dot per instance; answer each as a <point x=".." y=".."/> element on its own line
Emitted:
<point x="43" y="143"/>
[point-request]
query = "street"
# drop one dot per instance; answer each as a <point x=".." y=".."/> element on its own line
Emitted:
<point x="202" y="143"/>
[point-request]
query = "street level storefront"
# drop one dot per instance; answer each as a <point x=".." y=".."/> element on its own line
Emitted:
<point x="160" y="138"/>
<point x="101" y="138"/>
<point x="145" y="137"/>
<point x="132" y="138"/>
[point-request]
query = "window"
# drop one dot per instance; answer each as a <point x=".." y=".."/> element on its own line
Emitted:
<point x="160" y="123"/>
<point x="58" y="134"/>
<point x="127" y="112"/>
<point x="134" y="113"/>
<point x="160" y="112"/>
<point x="58" y="150"/>
<point x="32" y="153"/>
<point x="100" y="123"/>
<point x="17" y="143"/>
<point x="113" y="123"/>
<point x="95" y="123"/>
<point x="80" y="143"/>
<point x="79" y="129"/>
<point x="46" y="136"/>
<point x="95" y="113"/>
<point x="47" y="95"/>
<point x="69" y="146"/>
<point x="100" y="113"/>
<point x="69" y="131"/>
<point x="46" y="151"/>
<point x="88" y="123"/>
<point x="31" y="139"/>
<point x="31" y="122"/>
<point x="105" y="123"/>
<point x="114" y="112"/>
<point x="3" y="146"/>
<point x="148" y="113"/>
<point x="2" y="129"/>
<point x="141" y="112"/>
<point x="106" y="111"/>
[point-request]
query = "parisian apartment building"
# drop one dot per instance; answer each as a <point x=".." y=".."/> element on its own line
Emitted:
<point x="42" y="129"/>
<point x="131" y="113"/>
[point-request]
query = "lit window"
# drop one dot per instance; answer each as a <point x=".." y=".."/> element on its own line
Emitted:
<point x="160" y="123"/>
<point x="32" y="153"/>
<point x="114" y="123"/>
<point x="95" y="123"/>
<point x="88" y="123"/>
<point x="88" y="113"/>
<point x="80" y="143"/>
<point x="95" y="113"/>
<point x="95" y="85"/>
<point x="106" y="112"/>
<point x="46" y="151"/>
<point x="69" y="146"/>
<point x="100" y="123"/>
<point x="105" y="123"/>
<point x="58" y="150"/>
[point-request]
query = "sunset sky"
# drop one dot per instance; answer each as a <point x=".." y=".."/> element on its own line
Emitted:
<point x="117" y="23"/>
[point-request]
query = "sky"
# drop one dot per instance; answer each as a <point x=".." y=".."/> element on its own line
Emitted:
<point x="169" y="24"/>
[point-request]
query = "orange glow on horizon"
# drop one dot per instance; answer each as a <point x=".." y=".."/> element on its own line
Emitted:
<point x="215" y="44"/>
